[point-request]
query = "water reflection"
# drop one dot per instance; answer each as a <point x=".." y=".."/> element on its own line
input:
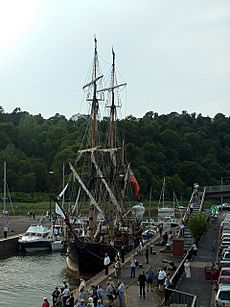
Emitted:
<point x="25" y="280"/>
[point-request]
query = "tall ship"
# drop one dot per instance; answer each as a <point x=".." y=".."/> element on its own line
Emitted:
<point x="105" y="188"/>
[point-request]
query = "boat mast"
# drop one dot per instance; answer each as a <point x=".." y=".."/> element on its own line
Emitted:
<point x="93" y="132"/>
<point x="63" y="184"/>
<point x="112" y="144"/>
<point x="4" y="197"/>
<point x="113" y="107"/>
<point x="94" y="108"/>
<point x="94" y="98"/>
<point x="112" y="140"/>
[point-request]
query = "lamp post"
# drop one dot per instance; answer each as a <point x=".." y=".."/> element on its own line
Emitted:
<point x="51" y="175"/>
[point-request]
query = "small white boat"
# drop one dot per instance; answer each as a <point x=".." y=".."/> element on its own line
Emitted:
<point x="40" y="238"/>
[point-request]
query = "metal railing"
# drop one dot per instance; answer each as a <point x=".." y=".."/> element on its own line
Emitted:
<point x="180" y="297"/>
<point x="218" y="188"/>
<point x="173" y="295"/>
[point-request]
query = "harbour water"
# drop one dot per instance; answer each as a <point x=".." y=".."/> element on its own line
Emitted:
<point x="25" y="280"/>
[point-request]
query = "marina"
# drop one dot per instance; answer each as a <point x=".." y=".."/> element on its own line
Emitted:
<point x="36" y="276"/>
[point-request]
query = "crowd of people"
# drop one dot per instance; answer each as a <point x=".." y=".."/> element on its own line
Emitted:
<point x="111" y="294"/>
<point x="94" y="296"/>
<point x="113" y="291"/>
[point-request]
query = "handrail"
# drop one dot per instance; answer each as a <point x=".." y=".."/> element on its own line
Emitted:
<point x="202" y="199"/>
<point x="181" y="297"/>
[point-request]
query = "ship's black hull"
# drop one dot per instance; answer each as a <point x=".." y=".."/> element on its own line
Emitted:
<point x="88" y="257"/>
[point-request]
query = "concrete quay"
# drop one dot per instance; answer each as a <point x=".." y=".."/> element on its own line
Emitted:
<point x="197" y="285"/>
<point x="132" y="294"/>
<point x="16" y="225"/>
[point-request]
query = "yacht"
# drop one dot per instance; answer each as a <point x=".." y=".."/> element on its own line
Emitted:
<point x="40" y="238"/>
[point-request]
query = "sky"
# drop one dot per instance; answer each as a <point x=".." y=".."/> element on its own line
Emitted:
<point x="174" y="55"/>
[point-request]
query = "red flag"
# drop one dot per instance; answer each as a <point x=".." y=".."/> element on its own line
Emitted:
<point x="135" y="183"/>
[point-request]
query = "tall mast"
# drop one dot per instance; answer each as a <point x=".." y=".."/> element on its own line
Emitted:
<point x="113" y="107"/>
<point x="94" y="108"/>
<point x="92" y="95"/>
<point x="4" y="196"/>
<point x="92" y="87"/>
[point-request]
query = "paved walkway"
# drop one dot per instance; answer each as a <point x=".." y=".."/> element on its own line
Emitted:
<point x="132" y="297"/>
<point x="196" y="285"/>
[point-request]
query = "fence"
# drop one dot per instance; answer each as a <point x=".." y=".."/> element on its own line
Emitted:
<point x="176" y="296"/>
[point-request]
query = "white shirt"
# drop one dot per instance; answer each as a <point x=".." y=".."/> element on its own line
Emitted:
<point x="106" y="260"/>
<point x="161" y="275"/>
<point x="81" y="286"/>
<point x="66" y="292"/>
<point x="133" y="264"/>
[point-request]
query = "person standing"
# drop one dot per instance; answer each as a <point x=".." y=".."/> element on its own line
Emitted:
<point x="55" y="295"/>
<point x="117" y="267"/>
<point x="121" y="294"/>
<point x="106" y="264"/>
<point x="81" y="285"/>
<point x="65" y="295"/>
<point x="81" y="295"/>
<point x="70" y="301"/>
<point x="100" y="293"/>
<point x="149" y="275"/>
<point x="142" y="281"/>
<point x="187" y="269"/>
<point x="109" y="293"/>
<point x="182" y="228"/>
<point x="167" y="280"/>
<point x="122" y="254"/>
<point x="194" y="249"/>
<point x="5" y="231"/>
<point x="95" y="297"/>
<point x="64" y="283"/>
<point x="165" y="238"/>
<point x="45" y="302"/>
<point x="161" y="226"/>
<point x="147" y="254"/>
<point x="161" y="278"/>
<point x="132" y="268"/>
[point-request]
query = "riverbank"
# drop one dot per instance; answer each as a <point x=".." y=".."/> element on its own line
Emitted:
<point x="16" y="224"/>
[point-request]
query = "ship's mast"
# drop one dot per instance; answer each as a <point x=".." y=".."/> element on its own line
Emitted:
<point x="94" y="108"/>
<point x="93" y="131"/>
<point x="112" y="140"/>
<point x="93" y="96"/>
<point x="113" y="107"/>
<point x="4" y="199"/>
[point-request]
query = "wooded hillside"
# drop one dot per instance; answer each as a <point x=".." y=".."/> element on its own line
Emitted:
<point x="184" y="148"/>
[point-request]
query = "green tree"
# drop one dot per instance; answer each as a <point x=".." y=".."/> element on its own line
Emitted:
<point x="198" y="225"/>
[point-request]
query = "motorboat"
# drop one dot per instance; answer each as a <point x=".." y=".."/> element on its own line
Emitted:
<point x="40" y="238"/>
